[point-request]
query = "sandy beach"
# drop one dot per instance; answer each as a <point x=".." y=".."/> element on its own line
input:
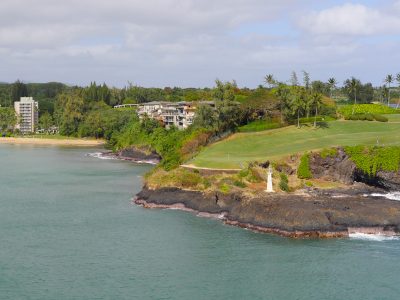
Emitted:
<point x="47" y="141"/>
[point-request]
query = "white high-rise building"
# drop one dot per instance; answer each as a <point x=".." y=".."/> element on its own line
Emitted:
<point x="27" y="111"/>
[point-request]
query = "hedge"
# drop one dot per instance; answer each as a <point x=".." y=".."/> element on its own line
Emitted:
<point x="304" y="171"/>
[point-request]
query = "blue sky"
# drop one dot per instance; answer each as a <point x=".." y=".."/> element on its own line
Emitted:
<point x="190" y="43"/>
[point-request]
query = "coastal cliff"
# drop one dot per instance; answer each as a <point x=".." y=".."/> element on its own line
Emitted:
<point x="307" y="211"/>
<point x="320" y="214"/>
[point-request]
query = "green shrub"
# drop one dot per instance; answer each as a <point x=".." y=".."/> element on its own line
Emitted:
<point x="373" y="159"/>
<point x="189" y="179"/>
<point x="308" y="183"/>
<point x="369" y="117"/>
<point x="347" y="110"/>
<point x="380" y="118"/>
<point x="304" y="171"/>
<point x="284" y="182"/>
<point x="206" y="183"/>
<point x="366" y="117"/>
<point x="330" y="152"/>
<point x="254" y="176"/>
<point x="224" y="188"/>
<point x="259" y="125"/>
<point x="239" y="183"/>
<point x="244" y="173"/>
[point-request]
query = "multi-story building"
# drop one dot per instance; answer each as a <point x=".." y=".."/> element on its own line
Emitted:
<point x="27" y="111"/>
<point x="179" y="114"/>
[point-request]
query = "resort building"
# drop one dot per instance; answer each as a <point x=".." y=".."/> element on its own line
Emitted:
<point x="27" y="111"/>
<point x="178" y="114"/>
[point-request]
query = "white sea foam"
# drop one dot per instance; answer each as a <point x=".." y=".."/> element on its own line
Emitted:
<point x="391" y="196"/>
<point x="100" y="155"/>
<point x="372" y="237"/>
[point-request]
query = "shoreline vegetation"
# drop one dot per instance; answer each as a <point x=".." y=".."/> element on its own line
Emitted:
<point x="52" y="141"/>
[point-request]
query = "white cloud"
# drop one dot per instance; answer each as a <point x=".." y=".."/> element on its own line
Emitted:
<point x="351" y="19"/>
<point x="183" y="42"/>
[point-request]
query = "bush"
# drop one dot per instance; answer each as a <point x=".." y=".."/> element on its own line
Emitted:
<point x="366" y="117"/>
<point x="331" y="152"/>
<point x="369" y="117"/>
<point x="373" y="159"/>
<point x="284" y="182"/>
<point x="243" y="173"/>
<point x="259" y="125"/>
<point x="304" y="171"/>
<point x="239" y="183"/>
<point x="224" y="188"/>
<point x="380" y="118"/>
<point x="347" y="110"/>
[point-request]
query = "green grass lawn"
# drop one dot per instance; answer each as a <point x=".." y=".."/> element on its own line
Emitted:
<point x="278" y="143"/>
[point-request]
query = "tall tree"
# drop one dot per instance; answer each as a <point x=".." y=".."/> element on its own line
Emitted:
<point x="282" y="91"/>
<point x="353" y="86"/>
<point x="389" y="81"/>
<point x="18" y="90"/>
<point x="270" y="80"/>
<point x="7" y="118"/>
<point x="316" y="102"/>
<point x="398" y="82"/>
<point x="293" y="79"/>
<point x="45" y="121"/>
<point x="298" y="103"/>
<point x="306" y="79"/>
<point x="332" y="85"/>
<point x="69" y="111"/>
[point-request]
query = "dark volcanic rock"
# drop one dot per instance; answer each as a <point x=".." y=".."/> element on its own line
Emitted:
<point x="137" y="154"/>
<point x="337" y="168"/>
<point x="389" y="180"/>
<point x="341" y="169"/>
<point x="330" y="215"/>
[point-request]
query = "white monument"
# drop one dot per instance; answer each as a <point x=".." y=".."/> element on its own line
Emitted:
<point x="269" y="181"/>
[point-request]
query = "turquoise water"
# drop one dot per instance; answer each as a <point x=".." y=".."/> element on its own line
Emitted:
<point x="69" y="231"/>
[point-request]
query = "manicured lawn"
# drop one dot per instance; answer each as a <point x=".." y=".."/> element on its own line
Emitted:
<point x="278" y="143"/>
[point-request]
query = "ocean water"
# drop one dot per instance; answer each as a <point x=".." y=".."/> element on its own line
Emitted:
<point x="68" y="230"/>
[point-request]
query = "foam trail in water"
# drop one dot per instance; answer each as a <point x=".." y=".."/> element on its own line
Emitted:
<point x="372" y="237"/>
<point x="391" y="196"/>
<point x="100" y="155"/>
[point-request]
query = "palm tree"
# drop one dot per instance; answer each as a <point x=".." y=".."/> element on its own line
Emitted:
<point x="298" y="102"/>
<point x="270" y="80"/>
<point x="316" y="101"/>
<point x="332" y="85"/>
<point x="352" y="86"/>
<point x="389" y="81"/>
<point x="282" y="92"/>
<point x="398" y="82"/>
<point x="306" y="79"/>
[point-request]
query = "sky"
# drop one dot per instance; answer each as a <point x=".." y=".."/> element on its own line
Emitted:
<point x="190" y="43"/>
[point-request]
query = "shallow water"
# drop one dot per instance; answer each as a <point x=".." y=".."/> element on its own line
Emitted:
<point x="69" y="231"/>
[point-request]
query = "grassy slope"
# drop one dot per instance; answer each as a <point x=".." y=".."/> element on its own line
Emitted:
<point x="274" y="144"/>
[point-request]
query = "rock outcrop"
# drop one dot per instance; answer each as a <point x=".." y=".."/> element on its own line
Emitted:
<point x="136" y="154"/>
<point x="332" y="214"/>
<point x="340" y="168"/>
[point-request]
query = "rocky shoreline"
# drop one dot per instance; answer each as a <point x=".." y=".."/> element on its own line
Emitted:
<point x="135" y="155"/>
<point x="310" y="214"/>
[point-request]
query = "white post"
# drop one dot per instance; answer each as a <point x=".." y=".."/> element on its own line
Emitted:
<point x="269" y="181"/>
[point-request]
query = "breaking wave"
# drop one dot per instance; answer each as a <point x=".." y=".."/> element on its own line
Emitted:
<point x="100" y="155"/>
<point x="390" y="196"/>
<point x="373" y="237"/>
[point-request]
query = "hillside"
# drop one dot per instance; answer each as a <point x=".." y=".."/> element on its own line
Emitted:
<point x="275" y="144"/>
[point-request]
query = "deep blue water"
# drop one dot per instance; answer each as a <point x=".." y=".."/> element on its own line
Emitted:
<point x="68" y="230"/>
